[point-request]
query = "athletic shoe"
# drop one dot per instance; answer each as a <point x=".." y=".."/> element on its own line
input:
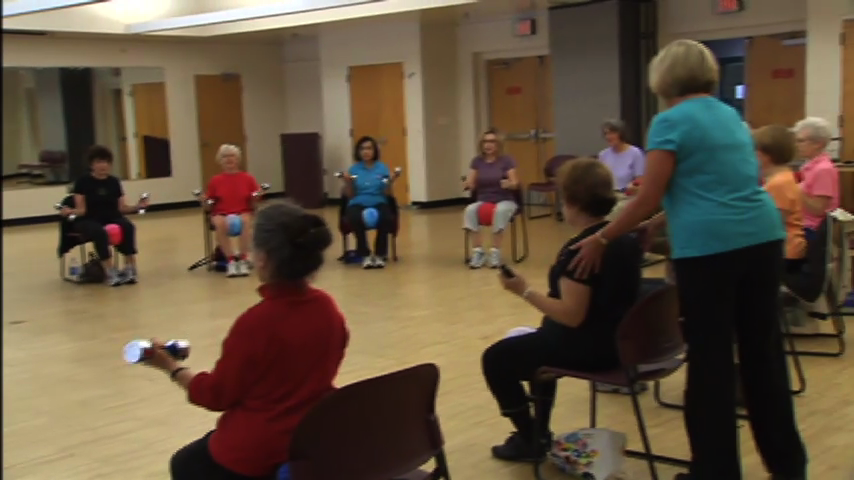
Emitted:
<point x="478" y="258"/>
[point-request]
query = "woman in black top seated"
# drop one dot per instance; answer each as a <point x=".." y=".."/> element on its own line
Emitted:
<point x="579" y="326"/>
<point x="98" y="201"/>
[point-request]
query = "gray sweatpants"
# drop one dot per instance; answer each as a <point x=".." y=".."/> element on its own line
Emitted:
<point x="504" y="211"/>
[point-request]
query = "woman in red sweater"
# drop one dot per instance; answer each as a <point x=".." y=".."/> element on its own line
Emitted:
<point x="279" y="358"/>
<point x="233" y="193"/>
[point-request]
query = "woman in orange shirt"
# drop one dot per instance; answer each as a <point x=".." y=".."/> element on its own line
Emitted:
<point x="775" y="147"/>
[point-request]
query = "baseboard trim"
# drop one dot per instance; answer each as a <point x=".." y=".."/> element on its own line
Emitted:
<point x="154" y="207"/>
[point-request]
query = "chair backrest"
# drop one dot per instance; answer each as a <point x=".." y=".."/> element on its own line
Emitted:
<point x="650" y="332"/>
<point x="380" y="428"/>
<point x="554" y="163"/>
<point x="809" y="283"/>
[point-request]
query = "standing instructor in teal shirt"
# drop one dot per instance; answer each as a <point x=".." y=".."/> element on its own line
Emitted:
<point x="726" y="237"/>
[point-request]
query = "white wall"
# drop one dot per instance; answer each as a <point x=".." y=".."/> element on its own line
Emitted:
<point x="371" y="42"/>
<point x="303" y="93"/>
<point x="129" y="77"/>
<point x="824" y="54"/>
<point x="480" y="40"/>
<point x="259" y="65"/>
<point x="441" y="125"/>
<point x="104" y="83"/>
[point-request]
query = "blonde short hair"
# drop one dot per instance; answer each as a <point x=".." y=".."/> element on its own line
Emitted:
<point x="226" y="150"/>
<point x="682" y="68"/>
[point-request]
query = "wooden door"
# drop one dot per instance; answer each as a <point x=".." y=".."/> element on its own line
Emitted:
<point x="149" y="105"/>
<point x="121" y="131"/>
<point x="520" y="108"/>
<point x="378" y="109"/>
<point x="846" y="150"/>
<point x="219" y="105"/>
<point x="775" y="81"/>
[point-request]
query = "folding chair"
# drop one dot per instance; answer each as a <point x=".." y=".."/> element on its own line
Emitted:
<point x="650" y="345"/>
<point x="826" y="274"/>
<point x="518" y="239"/>
<point x="346" y="229"/>
<point x="69" y="239"/>
<point x="547" y="187"/>
<point x="382" y="428"/>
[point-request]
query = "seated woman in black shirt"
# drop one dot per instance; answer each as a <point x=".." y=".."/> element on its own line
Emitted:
<point x="98" y="201"/>
<point x="581" y="316"/>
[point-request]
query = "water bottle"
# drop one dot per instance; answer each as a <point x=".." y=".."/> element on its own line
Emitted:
<point x="74" y="269"/>
<point x="138" y="351"/>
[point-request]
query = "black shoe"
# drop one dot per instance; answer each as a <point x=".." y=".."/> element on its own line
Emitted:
<point x="682" y="476"/>
<point x="519" y="449"/>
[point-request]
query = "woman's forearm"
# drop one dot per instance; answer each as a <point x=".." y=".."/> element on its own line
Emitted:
<point x="184" y="377"/>
<point x="553" y="308"/>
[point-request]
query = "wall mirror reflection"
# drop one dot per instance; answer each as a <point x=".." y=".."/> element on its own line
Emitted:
<point x="51" y="116"/>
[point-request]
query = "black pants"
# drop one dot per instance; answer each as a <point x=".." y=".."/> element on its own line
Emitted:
<point x="509" y="362"/>
<point x="194" y="462"/>
<point x="93" y="230"/>
<point x="737" y="293"/>
<point x="384" y="226"/>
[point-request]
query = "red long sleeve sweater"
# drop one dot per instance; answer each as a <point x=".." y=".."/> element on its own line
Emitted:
<point x="279" y="358"/>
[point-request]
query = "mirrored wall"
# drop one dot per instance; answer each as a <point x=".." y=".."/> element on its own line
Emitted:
<point x="51" y="116"/>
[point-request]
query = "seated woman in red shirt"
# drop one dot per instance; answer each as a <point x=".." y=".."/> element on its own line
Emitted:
<point x="232" y="193"/>
<point x="279" y="358"/>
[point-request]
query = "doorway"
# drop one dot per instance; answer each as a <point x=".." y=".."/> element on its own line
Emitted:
<point x="378" y="110"/>
<point x="519" y="103"/>
<point x="219" y="106"/>
<point x="151" y="118"/>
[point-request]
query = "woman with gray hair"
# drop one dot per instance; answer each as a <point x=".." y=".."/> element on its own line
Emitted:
<point x="726" y="239"/>
<point x="278" y="359"/>
<point x="820" y="178"/>
<point x="232" y="192"/>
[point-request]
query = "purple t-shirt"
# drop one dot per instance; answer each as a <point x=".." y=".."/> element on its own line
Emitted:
<point x="625" y="166"/>
<point x="489" y="176"/>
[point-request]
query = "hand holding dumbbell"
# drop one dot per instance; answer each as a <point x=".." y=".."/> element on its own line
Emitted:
<point x="258" y="193"/>
<point x="143" y="202"/>
<point x="394" y="176"/>
<point x="345" y="176"/>
<point x="139" y="351"/>
<point x="65" y="211"/>
<point x="207" y="201"/>
<point x="466" y="185"/>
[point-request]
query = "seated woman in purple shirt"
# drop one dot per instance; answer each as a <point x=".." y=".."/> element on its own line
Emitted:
<point x="493" y="177"/>
<point x="625" y="161"/>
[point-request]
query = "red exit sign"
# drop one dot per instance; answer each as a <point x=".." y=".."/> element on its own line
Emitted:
<point x="729" y="6"/>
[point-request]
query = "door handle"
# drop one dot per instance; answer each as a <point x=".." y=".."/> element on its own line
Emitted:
<point x="545" y="135"/>
<point x="382" y="141"/>
<point x="521" y="136"/>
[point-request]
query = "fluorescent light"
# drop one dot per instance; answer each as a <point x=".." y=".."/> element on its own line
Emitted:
<point x="241" y="14"/>
<point x="26" y="7"/>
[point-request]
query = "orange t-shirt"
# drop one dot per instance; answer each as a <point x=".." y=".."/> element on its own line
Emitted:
<point x="786" y="193"/>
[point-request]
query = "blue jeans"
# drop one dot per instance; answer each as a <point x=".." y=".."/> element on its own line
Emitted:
<point x="284" y="473"/>
<point x="809" y="234"/>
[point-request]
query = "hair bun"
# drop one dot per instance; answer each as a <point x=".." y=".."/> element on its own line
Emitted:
<point x="317" y="236"/>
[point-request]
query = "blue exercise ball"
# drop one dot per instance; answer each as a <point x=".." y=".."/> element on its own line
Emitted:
<point x="234" y="224"/>
<point x="371" y="217"/>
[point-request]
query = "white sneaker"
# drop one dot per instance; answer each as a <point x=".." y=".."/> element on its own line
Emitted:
<point x="379" y="262"/>
<point x="231" y="270"/>
<point x="243" y="268"/>
<point x="478" y="258"/>
<point x="368" y="262"/>
<point x="494" y="258"/>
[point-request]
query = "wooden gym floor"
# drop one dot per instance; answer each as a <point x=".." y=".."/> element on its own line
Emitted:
<point x="73" y="410"/>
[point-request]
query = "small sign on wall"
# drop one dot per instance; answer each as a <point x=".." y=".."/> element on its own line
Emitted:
<point x="513" y="90"/>
<point x="723" y="7"/>
<point x="782" y="73"/>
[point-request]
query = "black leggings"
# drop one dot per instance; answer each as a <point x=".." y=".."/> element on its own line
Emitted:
<point x="721" y="294"/>
<point x="511" y="361"/>
<point x="194" y="462"/>
<point x="384" y="226"/>
<point x="93" y="231"/>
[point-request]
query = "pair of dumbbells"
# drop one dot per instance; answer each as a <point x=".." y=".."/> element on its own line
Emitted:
<point x="397" y="172"/>
<point x="71" y="217"/>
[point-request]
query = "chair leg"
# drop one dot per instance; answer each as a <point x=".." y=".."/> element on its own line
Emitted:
<point x="593" y="404"/>
<point x="519" y="257"/>
<point x="837" y="321"/>
<point x="529" y="210"/>
<point x="393" y="245"/>
<point x="653" y="471"/>
<point x="466" y="257"/>
<point x="796" y="358"/>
